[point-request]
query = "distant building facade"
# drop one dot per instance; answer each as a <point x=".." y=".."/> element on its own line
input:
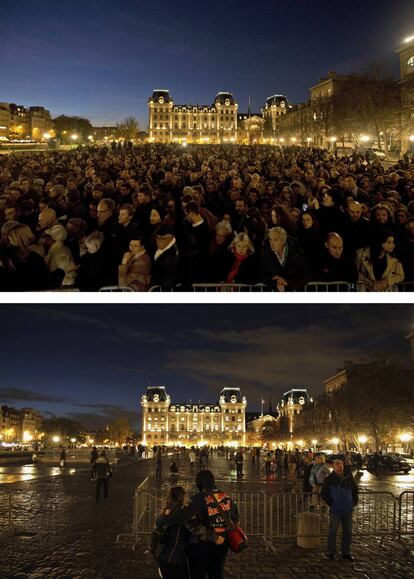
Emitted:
<point x="188" y="424"/>
<point x="208" y="124"/>
<point x="19" y="426"/>
<point x="19" y="122"/>
<point x="406" y="55"/>
<point x="291" y="405"/>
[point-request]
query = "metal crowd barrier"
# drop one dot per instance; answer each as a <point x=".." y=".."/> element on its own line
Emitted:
<point x="116" y="288"/>
<point x="228" y="287"/>
<point x="375" y="514"/>
<point x="329" y="286"/>
<point x="406" y="513"/>
<point x="275" y="517"/>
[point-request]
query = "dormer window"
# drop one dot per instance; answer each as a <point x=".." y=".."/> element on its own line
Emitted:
<point x="410" y="62"/>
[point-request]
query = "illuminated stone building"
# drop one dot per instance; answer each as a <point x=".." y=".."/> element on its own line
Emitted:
<point x="406" y="54"/>
<point x="292" y="403"/>
<point x="208" y="124"/>
<point x="187" y="424"/>
<point x="18" y="122"/>
<point x="274" y="107"/>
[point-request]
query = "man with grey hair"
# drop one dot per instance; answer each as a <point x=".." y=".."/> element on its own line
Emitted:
<point x="283" y="265"/>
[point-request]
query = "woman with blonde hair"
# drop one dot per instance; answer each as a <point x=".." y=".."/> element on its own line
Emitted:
<point x="28" y="269"/>
<point x="241" y="266"/>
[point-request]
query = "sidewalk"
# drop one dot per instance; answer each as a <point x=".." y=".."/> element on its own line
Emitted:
<point x="63" y="534"/>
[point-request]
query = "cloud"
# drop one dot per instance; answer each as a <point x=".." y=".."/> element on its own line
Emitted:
<point x="94" y="420"/>
<point x="23" y="395"/>
<point x="265" y="360"/>
<point x="109" y="330"/>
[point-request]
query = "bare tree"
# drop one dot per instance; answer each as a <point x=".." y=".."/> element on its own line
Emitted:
<point x="128" y="129"/>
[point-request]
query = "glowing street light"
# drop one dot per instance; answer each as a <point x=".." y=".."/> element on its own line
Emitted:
<point x="90" y="440"/>
<point x="405" y="437"/>
<point x="408" y="39"/>
<point x="56" y="439"/>
<point x="333" y="139"/>
<point x="411" y="138"/>
<point x="73" y="439"/>
<point x="362" y="439"/>
<point x="335" y="441"/>
<point x="365" y="138"/>
<point x="74" y="137"/>
<point x="314" y="442"/>
<point x="282" y="140"/>
<point x="293" y="139"/>
<point x="27" y="437"/>
<point x="46" y="136"/>
<point x="90" y="137"/>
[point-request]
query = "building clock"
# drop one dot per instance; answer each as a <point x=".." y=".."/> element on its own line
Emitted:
<point x="227" y="102"/>
<point x="282" y="104"/>
<point x="161" y="100"/>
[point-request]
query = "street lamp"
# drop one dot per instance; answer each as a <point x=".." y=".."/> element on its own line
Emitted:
<point x="411" y="138"/>
<point x="293" y="139"/>
<point x="314" y="443"/>
<point x="335" y="441"/>
<point x="365" y="138"/>
<point x="362" y="439"/>
<point x="74" y="137"/>
<point x="46" y="136"/>
<point x="56" y="439"/>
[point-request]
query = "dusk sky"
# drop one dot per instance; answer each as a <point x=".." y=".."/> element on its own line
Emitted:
<point x="93" y="362"/>
<point x="101" y="59"/>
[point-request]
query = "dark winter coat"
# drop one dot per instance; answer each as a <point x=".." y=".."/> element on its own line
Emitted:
<point x="340" y="494"/>
<point x="295" y="271"/>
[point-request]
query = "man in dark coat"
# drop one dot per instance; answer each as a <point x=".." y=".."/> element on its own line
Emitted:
<point x="283" y="265"/>
<point x="333" y="265"/>
<point x="166" y="259"/>
<point x="196" y="245"/>
<point x="340" y="493"/>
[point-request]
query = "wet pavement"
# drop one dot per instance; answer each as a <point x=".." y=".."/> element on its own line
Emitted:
<point x="61" y="533"/>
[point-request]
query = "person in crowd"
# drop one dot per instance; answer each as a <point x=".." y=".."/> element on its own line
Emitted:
<point x="241" y="264"/>
<point x="239" y="463"/>
<point x="135" y="269"/>
<point x="93" y="457"/>
<point x="340" y="493"/>
<point x="165" y="268"/>
<point x="377" y="269"/>
<point x="333" y="265"/>
<point x="283" y="265"/>
<point x="207" y="545"/>
<point x="94" y="271"/>
<point x="309" y="236"/>
<point x="357" y="228"/>
<point x="102" y="474"/>
<point x="158" y="463"/>
<point x="319" y="472"/>
<point x="27" y="269"/>
<point x="406" y="251"/>
<point x="127" y="228"/>
<point x="59" y="256"/>
<point x="171" y="553"/>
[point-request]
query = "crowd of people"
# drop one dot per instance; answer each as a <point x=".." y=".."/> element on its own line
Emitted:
<point x="167" y="217"/>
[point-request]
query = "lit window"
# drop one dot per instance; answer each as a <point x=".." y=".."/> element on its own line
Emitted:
<point x="410" y="62"/>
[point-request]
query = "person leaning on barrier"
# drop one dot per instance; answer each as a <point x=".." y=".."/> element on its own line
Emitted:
<point x="340" y="493"/>
<point x="283" y="265"/>
<point x="208" y="545"/>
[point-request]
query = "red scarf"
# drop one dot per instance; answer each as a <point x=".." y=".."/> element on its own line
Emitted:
<point x="236" y="266"/>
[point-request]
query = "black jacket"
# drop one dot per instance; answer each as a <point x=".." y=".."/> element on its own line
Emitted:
<point x="295" y="271"/>
<point x="165" y="269"/>
<point x="172" y="549"/>
<point x="202" y="511"/>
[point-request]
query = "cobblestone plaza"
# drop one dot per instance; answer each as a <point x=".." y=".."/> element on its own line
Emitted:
<point x="62" y="533"/>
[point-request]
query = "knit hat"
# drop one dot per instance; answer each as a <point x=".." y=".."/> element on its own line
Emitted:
<point x="57" y="233"/>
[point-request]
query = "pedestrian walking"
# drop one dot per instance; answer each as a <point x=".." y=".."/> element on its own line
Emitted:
<point x="192" y="456"/>
<point x="62" y="457"/>
<point x="340" y="493"/>
<point x="158" y="463"/>
<point x="239" y="463"/>
<point x="102" y="473"/>
<point x="92" y="460"/>
<point x="268" y="462"/>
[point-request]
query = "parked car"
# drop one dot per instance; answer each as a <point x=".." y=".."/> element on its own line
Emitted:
<point x="372" y="151"/>
<point x="356" y="459"/>
<point x="389" y="463"/>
